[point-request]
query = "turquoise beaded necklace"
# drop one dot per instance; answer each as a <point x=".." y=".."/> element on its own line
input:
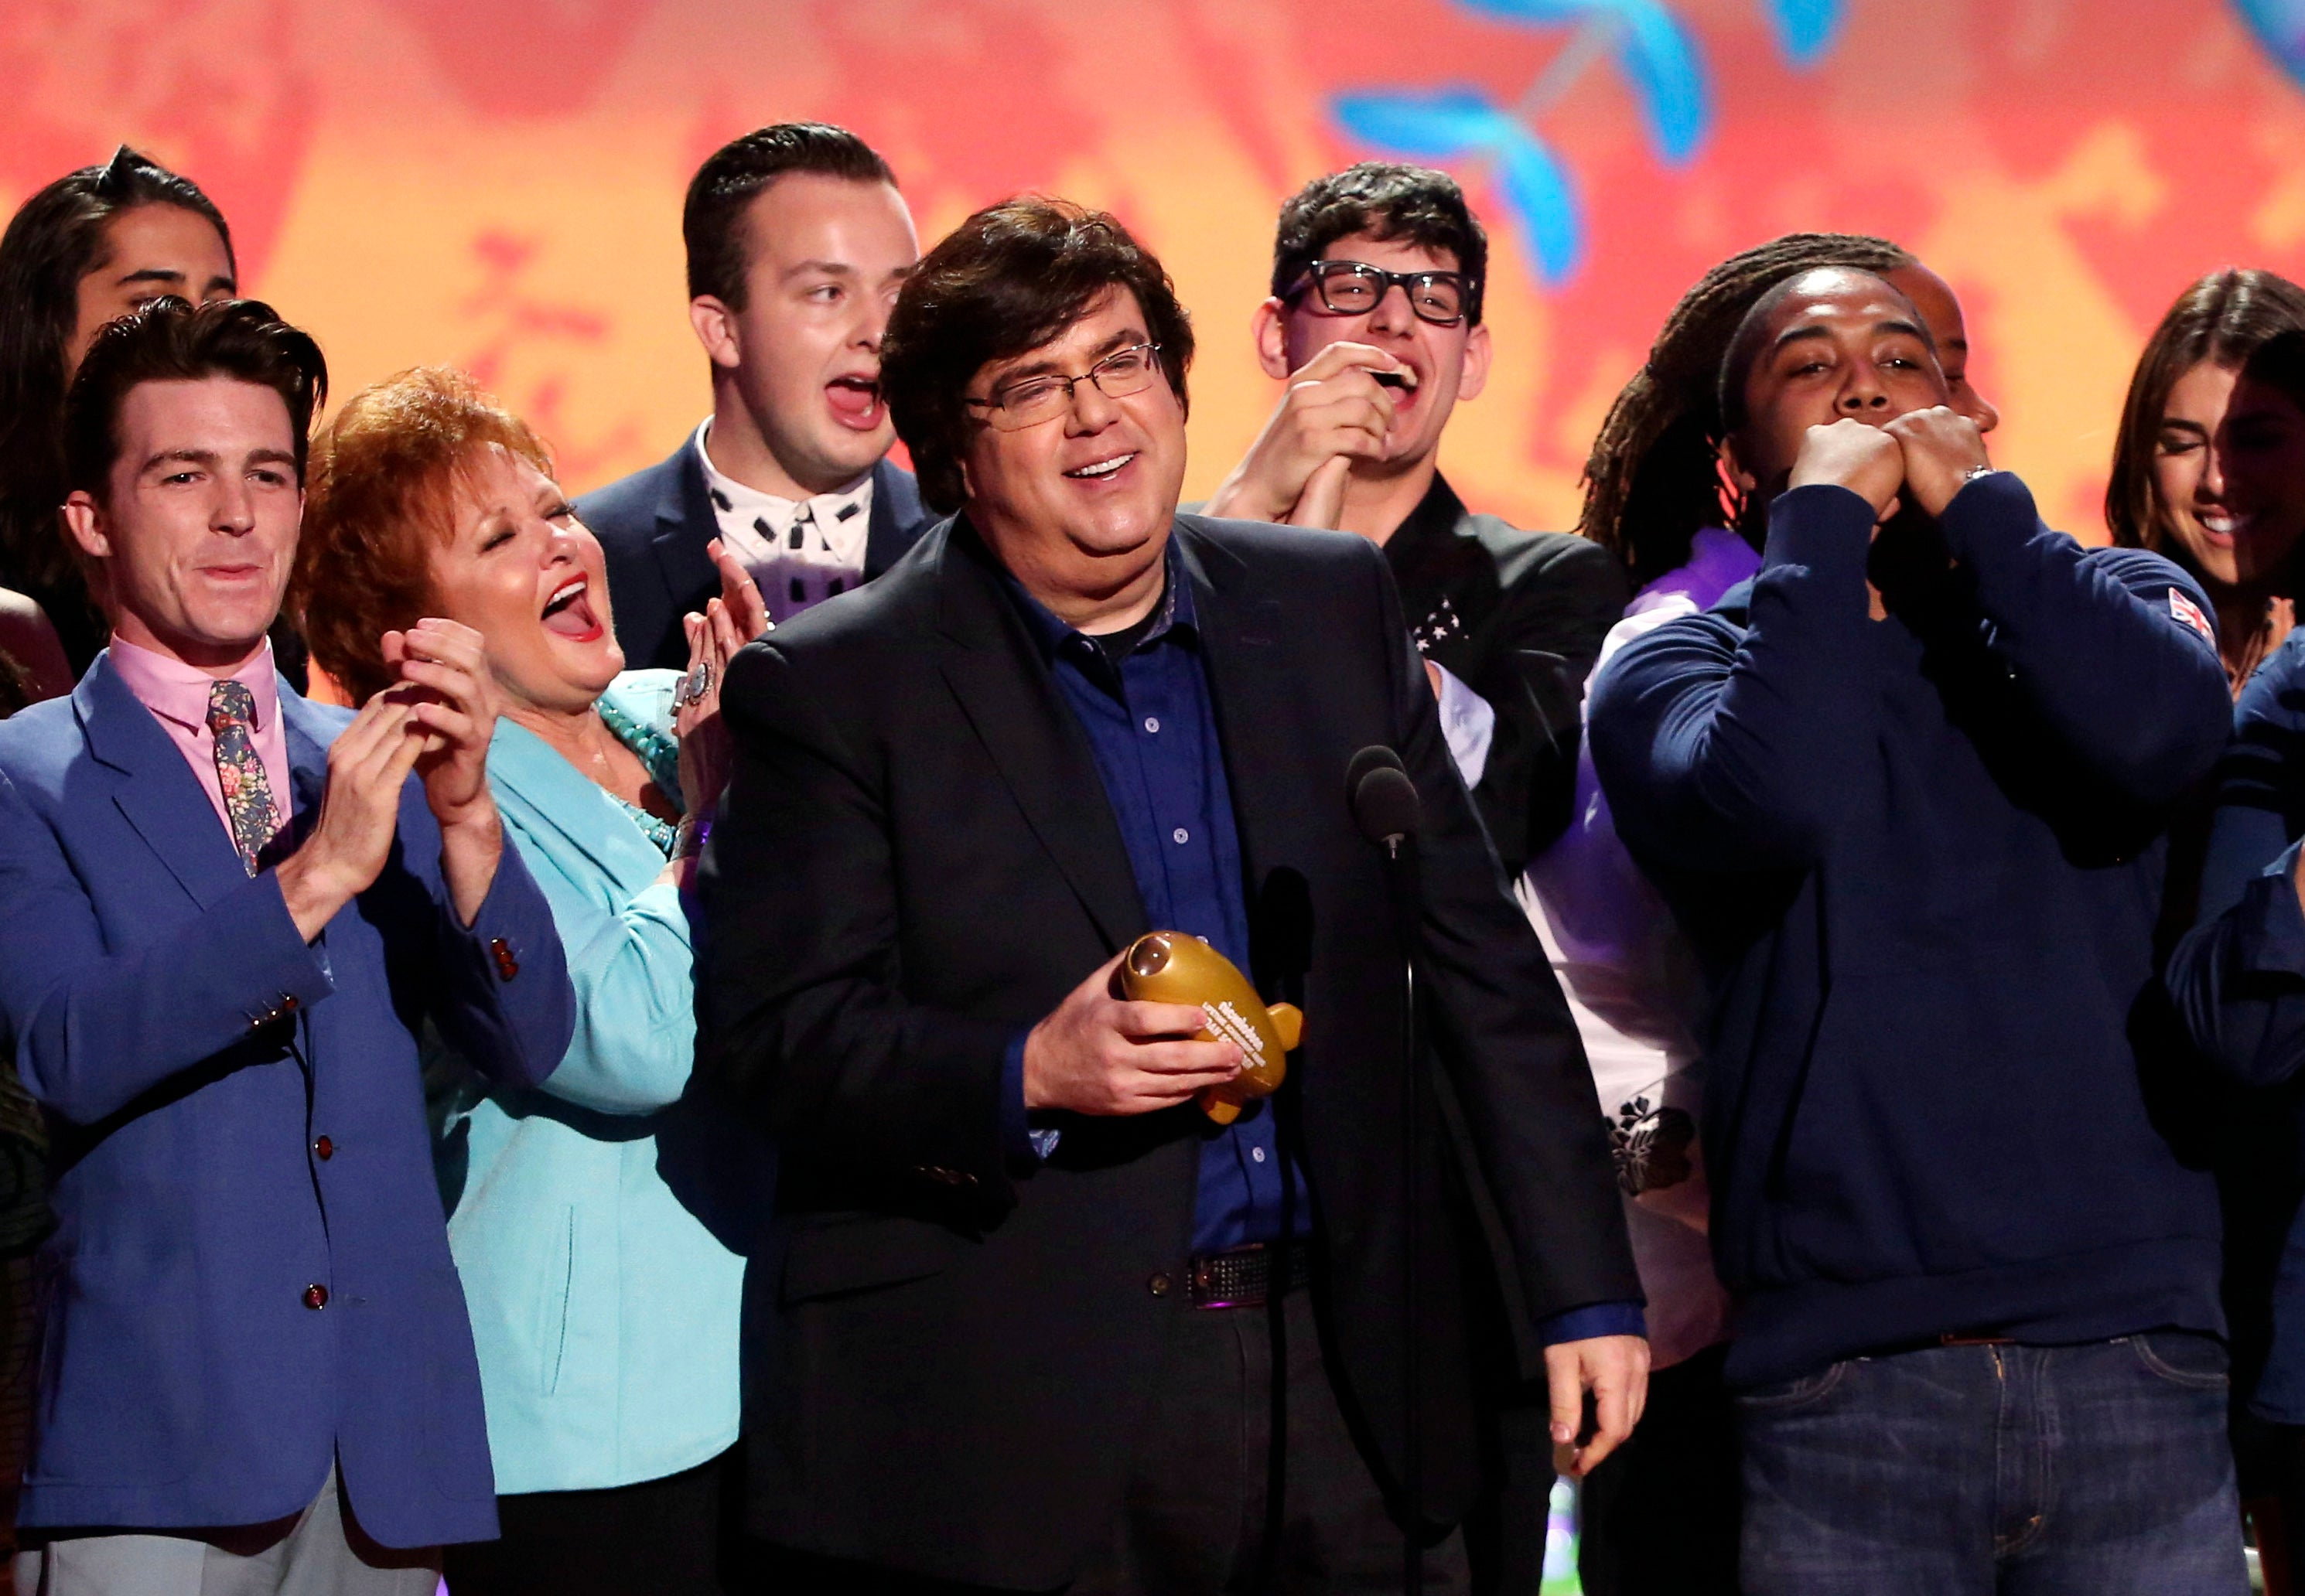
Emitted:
<point x="661" y="754"/>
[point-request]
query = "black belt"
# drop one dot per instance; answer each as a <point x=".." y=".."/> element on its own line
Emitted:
<point x="1246" y="1277"/>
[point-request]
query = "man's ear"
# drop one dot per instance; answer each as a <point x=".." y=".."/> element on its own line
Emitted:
<point x="716" y="329"/>
<point x="1732" y="458"/>
<point x="84" y="520"/>
<point x="1473" y="371"/>
<point x="1270" y="327"/>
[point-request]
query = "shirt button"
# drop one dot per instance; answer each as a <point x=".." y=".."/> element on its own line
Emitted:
<point x="325" y="1148"/>
<point x="1257" y="1153"/>
<point x="1182" y="836"/>
<point x="1158" y="1285"/>
<point x="1151" y="723"/>
<point x="316" y="1297"/>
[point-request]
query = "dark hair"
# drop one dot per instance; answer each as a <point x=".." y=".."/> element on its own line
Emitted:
<point x="2223" y="317"/>
<point x="712" y="218"/>
<point x="1744" y="342"/>
<point x="172" y="341"/>
<point x="385" y="471"/>
<point x="1389" y="201"/>
<point x="1654" y="478"/>
<point x="2279" y="363"/>
<point x="56" y="238"/>
<point x="1007" y="280"/>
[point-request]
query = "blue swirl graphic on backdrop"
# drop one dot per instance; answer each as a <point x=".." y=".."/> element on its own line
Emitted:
<point x="2280" y="27"/>
<point x="1653" y="52"/>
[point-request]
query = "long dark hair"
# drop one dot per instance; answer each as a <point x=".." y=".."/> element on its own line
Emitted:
<point x="56" y="239"/>
<point x="2222" y="318"/>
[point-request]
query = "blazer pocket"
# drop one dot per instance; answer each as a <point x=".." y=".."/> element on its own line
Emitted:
<point x="857" y="1253"/>
<point x="124" y="1372"/>
<point x="558" y="1281"/>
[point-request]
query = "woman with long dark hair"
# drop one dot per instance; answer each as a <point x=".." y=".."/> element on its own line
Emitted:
<point x="92" y="246"/>
<point x="2172" y="486"/>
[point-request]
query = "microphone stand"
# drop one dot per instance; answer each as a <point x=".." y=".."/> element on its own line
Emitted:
<point x="1386" y="808"/>
<point x="1400" y="876"/>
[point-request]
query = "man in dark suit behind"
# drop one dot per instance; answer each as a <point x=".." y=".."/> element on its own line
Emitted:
<point x="1036" y="1316"/>
<point x="797" y="239"/>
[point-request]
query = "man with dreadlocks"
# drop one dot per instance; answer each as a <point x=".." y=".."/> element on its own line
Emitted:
<point x="1905" y="791"/>
<point x="1659" y="1517"/>
<point x="1509" y="622"/>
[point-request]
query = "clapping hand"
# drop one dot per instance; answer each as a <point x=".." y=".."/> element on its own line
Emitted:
<point x="737" y="617"/>
<point x="451" y="697"/>
<point x="450" y="693"/>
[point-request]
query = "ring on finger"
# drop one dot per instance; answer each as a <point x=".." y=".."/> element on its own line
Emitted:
<point x="694" y="686"/>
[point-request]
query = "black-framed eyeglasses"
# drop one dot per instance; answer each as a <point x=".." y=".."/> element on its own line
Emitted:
<point x="1030" y="401"/>
<point x="1355" y="288"/>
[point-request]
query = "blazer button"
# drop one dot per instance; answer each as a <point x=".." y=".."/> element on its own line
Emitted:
<point x="288" y="1003"/>
<point x="1159" y="1286"/>
<point x="507" y="965"/>
<point x="325" y="1147"/>
<point x="316" y="1297"/>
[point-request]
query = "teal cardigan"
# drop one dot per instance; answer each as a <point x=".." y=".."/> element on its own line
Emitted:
<point x="605" y="1315"/>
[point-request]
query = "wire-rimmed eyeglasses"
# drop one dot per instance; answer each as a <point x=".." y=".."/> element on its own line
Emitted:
<point x="1031" y="400"/>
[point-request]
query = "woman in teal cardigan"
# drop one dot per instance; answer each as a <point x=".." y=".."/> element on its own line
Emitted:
<point x="605" y="1313"/>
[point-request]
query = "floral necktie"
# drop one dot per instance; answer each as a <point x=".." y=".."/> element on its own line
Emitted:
<point x="247" y="791"/>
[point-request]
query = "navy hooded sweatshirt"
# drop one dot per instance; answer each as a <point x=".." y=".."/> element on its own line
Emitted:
<point x="1921" y="859"/>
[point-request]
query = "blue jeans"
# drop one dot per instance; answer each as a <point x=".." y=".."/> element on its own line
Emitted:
<point x="2098" y="1470"/>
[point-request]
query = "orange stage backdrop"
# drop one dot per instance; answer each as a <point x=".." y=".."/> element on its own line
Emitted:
<point x="496" y="182"/>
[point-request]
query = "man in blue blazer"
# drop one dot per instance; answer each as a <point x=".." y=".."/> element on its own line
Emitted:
<point x="797" y="241"/>
<point x="225" y="915"/>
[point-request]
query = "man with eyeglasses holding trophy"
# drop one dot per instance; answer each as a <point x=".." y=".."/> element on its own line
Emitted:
<point x="1063" y="1303"/>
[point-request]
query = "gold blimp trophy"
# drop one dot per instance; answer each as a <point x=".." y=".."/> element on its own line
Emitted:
<point x="1172" y="967"/>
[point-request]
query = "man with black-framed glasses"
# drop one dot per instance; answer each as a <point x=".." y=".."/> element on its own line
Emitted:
<point x="1375" y="323"/>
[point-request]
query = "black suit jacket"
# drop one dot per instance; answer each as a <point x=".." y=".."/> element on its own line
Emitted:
<point x="1519" y="618"/>
<point x="653" y="526"/>
<point x="914" y="863"/>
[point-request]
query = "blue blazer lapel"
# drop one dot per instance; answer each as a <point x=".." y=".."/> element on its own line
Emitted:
<point x="685" y="524"/>
<point x="155" y="788"/>
<point x="310" y="731"/>
<point x="898" y="514"/>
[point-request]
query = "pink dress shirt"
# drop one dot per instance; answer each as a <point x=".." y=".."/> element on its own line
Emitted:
<point x="177" y="694"/>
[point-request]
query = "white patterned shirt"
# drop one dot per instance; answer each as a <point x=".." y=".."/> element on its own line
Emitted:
<point x="800" y="551"/>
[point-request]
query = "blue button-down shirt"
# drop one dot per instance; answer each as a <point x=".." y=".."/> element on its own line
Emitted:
<point x="1152" y="730"/>
<point x="1154" y="733"/>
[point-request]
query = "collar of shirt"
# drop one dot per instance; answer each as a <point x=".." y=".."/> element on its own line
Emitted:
<point x="756" y="525"/>
<point x="1058" y="640"/>
<point x="1432" y="524"/>
<point x="177" y="694"/>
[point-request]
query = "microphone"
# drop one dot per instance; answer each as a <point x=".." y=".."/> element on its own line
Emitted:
<point x="1384" y="800"/>
<point x="1375" y="757"/>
